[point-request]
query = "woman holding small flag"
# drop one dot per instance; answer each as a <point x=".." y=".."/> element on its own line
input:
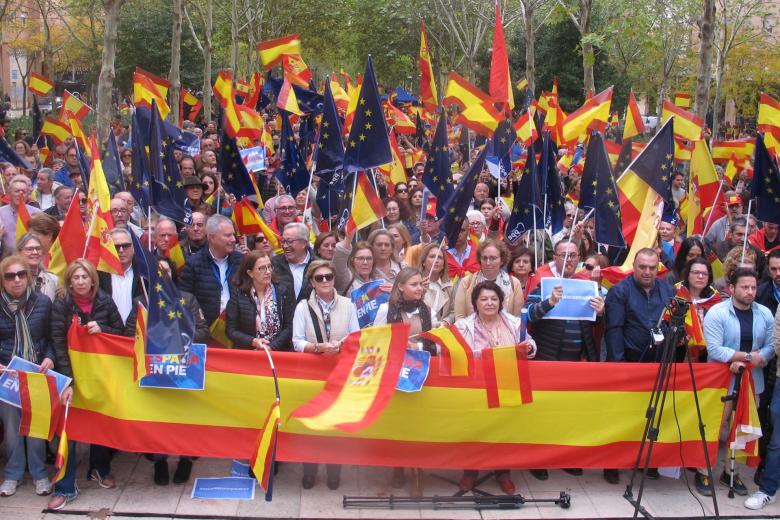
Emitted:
<point x="24" y="332"/>
<point x="439" y="293"/>
<point x="490" y="326"/>
<point x="407" y="305"/>
<point x="320" y="324"/>
<point x="696" y="288"/>
<point x="81" y="298"/>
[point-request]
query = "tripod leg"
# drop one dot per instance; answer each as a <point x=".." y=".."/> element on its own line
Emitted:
<point x="731" y="473"/>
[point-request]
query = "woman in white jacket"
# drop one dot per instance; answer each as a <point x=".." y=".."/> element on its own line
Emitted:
<point x="489" y="326"/>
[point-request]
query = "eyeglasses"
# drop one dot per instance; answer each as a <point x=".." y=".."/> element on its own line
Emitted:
<point x="265" y="268"/>
<point x="700" y="274"/>
<point x="290" y="241"/>
<point x="285" y="208"/>
<point x="119" y="210"/>
<point x="589" y="267"/>
<point x="83" y="201"/>
<point x="319" y="278"/>
<point x="121" y="247"/>
<point x="490" y="258"/>
<point x="402" y="190"/>
<point x="32" y="249"/>
<point x="363" y="259"/>
<point x="22" y="275"/>
<point x="261" y="239"/>
<point x="569" y="256"/>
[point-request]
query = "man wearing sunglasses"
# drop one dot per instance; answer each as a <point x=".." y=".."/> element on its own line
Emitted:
<point x="18" y="190"/>
<point x="124" y="288"/>
<point x="291" y="266"/>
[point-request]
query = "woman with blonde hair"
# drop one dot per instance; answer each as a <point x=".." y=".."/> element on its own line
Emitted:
<point x="733" y="260"/>
<point x="492" y="255"/>
<point x="401" y="239"/>
<point x="439" y="293"/>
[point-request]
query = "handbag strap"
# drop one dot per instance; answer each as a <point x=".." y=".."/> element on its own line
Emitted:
<point x="315" y="322"/>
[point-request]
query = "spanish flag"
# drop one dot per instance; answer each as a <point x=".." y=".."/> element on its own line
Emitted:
<point x="140" y="366"/>
<point x="462" y="93"/>
<point x="367" y="208"/>
<point x="635" y="125"/>
<point x="395" y="170"/>
<point x="22" y="220"/>
<point x="354" y="97"/>
<point x="457" y="358"/>
<point x="61" y="459"/>
<point x="147" y="88"/>
<point x="507" y="379"/>
<point x="40" y="404"/>
<point x="768" y="114"/>
<point x="746" y="427"/>
<point x="78" y="133"/>
<point x="592" y="115"/>
<point x="553" y="121"/>
<point x="428" y="94"/>
<point x="56" y="129"/>
<point x="74" y="105"/>
<point x="340" y="96"/>
<point x="521" y="85"/>
<point x="218" y="332"/>
<point x="724" y="151"/>
<point x="704" y="187"/>
<point x="525" y="127"/>
<point x="175" y="253"/>
<point x="682" y="100"/>
<point x="223" y="91"/>
<point x="64" y="251"/>
<point x="686" y="124"/>
<point x="398" y="120"/>
<point x="287" y="99"/>
<point x="272" y="51"/>
<point x="362" y="383"/>
<point x="296" y="70"/>
<point x="245" y="218"/>
<point x="264" y="458"/>
<point x="39" y="85"/>
<point x="482" y="118"/>
<point x="100" y="247"/>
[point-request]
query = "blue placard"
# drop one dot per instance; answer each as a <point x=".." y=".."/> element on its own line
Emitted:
<point x="254" y="158"/>
<point x="9" y="382"/>
<point x="224" y="488"/>
<point x="414" y="372"/>
<point x="575" y="303"/>
<point x="367" y="300"/>
<point x="239" y="469"/>
<point x="181" y="371"/>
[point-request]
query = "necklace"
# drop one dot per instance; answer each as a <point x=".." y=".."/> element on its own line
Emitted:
<point x="492" y="332"/>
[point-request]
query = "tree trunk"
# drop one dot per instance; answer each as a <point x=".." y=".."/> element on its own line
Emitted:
<point x="174" y="76"/>
<point x="207" y="60"/>
<point x="107" y="72"/>
<point x="588" y="53"/>
<point x="530" y="50"/>
<point x="706" y="37"/>
<point x="46" y="63"/>
<point x="719" y="72"/>
<point x="234" y="40"/>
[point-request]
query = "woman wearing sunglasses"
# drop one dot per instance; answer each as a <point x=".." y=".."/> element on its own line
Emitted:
<point x="24" y="332"/>
<point x="82" y="298"/>
<point x="259" y="313"/>
<point x="320" y="324"/>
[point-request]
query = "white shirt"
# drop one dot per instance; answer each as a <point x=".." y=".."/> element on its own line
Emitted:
<point x="222" y="265"/>
<point x="45" y="200"/>
<point x="122" y="292"/>
<point x="299" y="324"/>
<point x="297" y="271"/>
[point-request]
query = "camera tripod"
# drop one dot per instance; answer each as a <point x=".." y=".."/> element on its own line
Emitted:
<point x="677" y="309"/>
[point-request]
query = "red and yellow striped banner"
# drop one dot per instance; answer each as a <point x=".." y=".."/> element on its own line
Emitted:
<point x="40" y="405"/>
<point x="262" y="462"/>
<point x="457" y="358"/>
<point x="507" y="379"/>
<point x="583" y="414"/>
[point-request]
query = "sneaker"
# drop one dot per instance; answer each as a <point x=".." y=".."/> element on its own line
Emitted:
<point x="759" y="499"/>
<point x="42" y="487"/>
<point x="8" y="487"/>
<point x="739" y="486"/>
<point x="58" y="502"/>
<point x="703" y="485"/>
<point x="106" y="482"/>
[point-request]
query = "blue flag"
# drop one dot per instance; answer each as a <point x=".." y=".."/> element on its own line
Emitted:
<point x="437" y="176"/>
<point x="235" y="177"/>
<point x="551" y="185"/>
<point x="654" y="165"/>
<point x="292" y="174"/>
<point x="499" y="149"/>
<point x="598" y="191"/>
<point x="309" y="101"/>
<point x="368" y="144"/>
<point x="162" y="197"/>
<point x="170" y="326"/>
<point x="329" y="151"/>
<point x="456" y="207"/>
<point x="766" y="184"/>
<point x="527" y="210"/>
<point x="112" y="167"/>
<point x="140" y="186"/>
<point x="9" y="155"/>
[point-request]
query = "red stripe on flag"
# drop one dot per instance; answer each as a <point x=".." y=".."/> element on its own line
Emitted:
<point x="491" y="384"/>
<point x="526" y="395"/>
<point x="26" y="404"/>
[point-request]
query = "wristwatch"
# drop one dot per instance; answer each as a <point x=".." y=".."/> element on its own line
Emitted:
<point x="316" y="348"/>
<point x="749" y="357"/>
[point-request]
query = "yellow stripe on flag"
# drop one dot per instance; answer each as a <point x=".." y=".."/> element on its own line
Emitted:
<point x="139" y="345"/>
<point x="40" y="409"/>
<point x="262" y="461"/>
<point x="507" y="377"/>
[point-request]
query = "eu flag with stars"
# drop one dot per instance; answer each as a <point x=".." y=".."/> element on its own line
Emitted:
<point x="112" y="167"/>
<point x="551" y="185"/>
<point x="527" y="210"/>
<point x="437" y="176"/>
<point x="329" y="151"/>
<point x="309" y="101"/>
<point x="368" y="144"/>
<point x="656" y="165"/>
<point x="598" y="192"/>
<point x="500" y="146"/>
<point x="170" y="326"/>
<point x="457" y="206"/>
<point x="292" y="173"/>
<point x="235" y="177"/>
<point x="766" y="184"/>
<point x="163" y="199"/>
<point x="140" y="186"/>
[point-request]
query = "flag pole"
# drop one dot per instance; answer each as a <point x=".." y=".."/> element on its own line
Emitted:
<point x="376" y="190"/>
<point x="149" y="226"/>
<point x="308" y="194"/>
<point x="270" y="491"/>
<point x="91" y="227"/>
<point x="709" y="217"/>
<point x="352" y="202"/>
<point x="747" y="229"/>
<point x="536" y="242"/>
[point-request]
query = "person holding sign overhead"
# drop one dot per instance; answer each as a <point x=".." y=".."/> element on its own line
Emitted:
<point x="491" y="326"/>
<point x="320" y="324"/>
<point x="562" y="339"/>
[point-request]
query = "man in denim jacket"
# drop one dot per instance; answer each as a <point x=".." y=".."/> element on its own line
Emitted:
<point x="739" y="332"/>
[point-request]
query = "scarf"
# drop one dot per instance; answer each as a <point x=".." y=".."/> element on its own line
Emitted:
<point x="23" y="343"/>
<point x="395" y="314"/>
<point x="83" y="303"/>
<point x="503" y="280"/>
<point x="484" y="339"/>
<point x="267" y="322"/>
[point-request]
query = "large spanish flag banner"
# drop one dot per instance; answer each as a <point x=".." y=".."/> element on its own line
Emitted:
<point x="363" y="382"/>
<point x="584" y="414"/>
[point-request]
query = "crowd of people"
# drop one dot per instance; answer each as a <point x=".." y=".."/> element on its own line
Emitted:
<point x="298" y="298"/>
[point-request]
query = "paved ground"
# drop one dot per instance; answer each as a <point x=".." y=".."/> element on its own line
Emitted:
<point x="138" y="497"/>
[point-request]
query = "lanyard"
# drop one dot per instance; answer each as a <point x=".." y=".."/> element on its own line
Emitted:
<point x="215" y="271"/>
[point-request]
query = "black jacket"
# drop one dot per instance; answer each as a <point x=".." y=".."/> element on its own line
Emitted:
<point x="765" y="295"/>
<point x="104" y="312"/>
<point x="138" y="283"/>
<point x="199" y="278"/>
<point x="283" y="276"/>
<point x="242" y="312"/>
<point x="38" y="312"/>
